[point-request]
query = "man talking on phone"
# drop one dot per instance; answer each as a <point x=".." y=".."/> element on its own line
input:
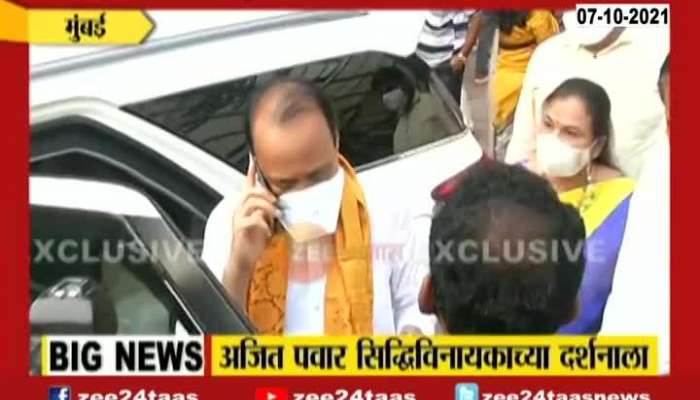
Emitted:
<point x="302" y="249"/>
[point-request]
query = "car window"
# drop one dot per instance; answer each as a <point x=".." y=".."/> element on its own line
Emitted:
<point x="359" y="85"/>
<point x="82" y="148"/>
<point x="72" y="245"/>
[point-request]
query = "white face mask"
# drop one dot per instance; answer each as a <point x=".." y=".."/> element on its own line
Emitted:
<point x="313" y="212"/>
<point x="558" y="158"/>
<point x="395" y="100"/>
<point x="584" y="36"/>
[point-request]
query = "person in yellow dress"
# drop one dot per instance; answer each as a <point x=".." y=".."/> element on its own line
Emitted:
<point x="519" y="34"/>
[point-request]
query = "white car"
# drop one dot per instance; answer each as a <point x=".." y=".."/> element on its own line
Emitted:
<point x="165" y="119"/>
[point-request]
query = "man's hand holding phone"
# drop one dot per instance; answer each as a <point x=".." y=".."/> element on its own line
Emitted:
<point x="253" y="224"/>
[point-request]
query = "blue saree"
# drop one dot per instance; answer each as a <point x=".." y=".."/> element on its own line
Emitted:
<point x="605" y="220"/>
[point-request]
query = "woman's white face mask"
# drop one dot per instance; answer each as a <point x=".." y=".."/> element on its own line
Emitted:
<point x="395" y="100"/>
<point x="557" y="158"/>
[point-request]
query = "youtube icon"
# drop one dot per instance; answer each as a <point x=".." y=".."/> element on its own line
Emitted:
<point x="271" y="393"/>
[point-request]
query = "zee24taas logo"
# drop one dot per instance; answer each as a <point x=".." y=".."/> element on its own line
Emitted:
<point x="59" y="393"/>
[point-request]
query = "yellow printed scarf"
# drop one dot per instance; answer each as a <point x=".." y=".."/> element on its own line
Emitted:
<point x="349" y="290"/>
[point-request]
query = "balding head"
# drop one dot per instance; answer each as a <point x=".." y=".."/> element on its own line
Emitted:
<point x="292" y="133"/>
<point x="283" y="99"/>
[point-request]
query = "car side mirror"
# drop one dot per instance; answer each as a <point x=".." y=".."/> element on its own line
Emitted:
<point x="74" y="305"/>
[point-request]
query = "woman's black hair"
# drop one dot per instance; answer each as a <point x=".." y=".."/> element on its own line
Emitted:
<point x="392" y="77"/>
<point x="509" y="19"/>
<point x="598" y="106"/>
<point x="664" y="73"/>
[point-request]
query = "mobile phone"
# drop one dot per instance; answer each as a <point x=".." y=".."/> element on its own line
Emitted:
<point x="260" y="179"/>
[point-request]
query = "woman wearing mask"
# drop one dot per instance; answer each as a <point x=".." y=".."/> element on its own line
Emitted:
<point x="519" y="34"/>
<point x="573" y="153"/>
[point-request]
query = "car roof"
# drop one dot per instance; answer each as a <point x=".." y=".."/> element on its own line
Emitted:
<point x="166" y="24"/>
<point x="189" y="50"/>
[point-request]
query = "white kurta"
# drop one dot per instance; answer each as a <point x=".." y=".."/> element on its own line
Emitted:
<point x="639" y="303"/>
<point x="400" y="262"/>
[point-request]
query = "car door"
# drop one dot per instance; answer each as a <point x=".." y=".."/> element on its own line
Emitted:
<point x="84" y="139"/>
<point x="92" y="139"/>
<point x="105" y="260"/>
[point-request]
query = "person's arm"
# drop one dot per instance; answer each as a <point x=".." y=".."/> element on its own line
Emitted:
<point x="218" y="235"/>
<point x="217" y="252"/>
<point x="236" y="281"/>
<point x="473" y="30"/>
<point x="524" y="121"/>
<point x="407" y="276"/>
<point x="235" y="237"/>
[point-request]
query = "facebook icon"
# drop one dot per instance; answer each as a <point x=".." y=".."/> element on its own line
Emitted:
<point x="59" y="393"/>
<point x="467" y="391"/>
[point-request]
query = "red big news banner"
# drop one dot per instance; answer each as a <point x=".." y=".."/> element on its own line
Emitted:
<point x="347" y="201"/>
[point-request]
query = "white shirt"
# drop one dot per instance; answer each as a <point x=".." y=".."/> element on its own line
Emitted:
<point x="628" y="70"/>
<point x="399" y="266"/>
<point x="443" y="35"/>
<point x="639" y="303"/>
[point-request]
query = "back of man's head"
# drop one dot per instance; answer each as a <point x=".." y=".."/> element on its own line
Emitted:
<point x="506" y="256"/>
